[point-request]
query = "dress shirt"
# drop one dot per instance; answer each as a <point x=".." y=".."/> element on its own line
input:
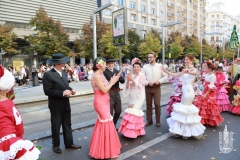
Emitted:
<point x="60" y="73"/>
<point x="154" y="73"/>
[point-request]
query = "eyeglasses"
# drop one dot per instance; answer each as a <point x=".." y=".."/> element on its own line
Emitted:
<point x="150" y="57"/>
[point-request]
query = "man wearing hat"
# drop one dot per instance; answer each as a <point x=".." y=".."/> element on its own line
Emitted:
<point x="56" y="87"/>
<point x="115" y="100"/>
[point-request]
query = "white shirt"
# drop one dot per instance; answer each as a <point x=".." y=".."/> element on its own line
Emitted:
<point x="154" y="73"/>
<point x="60" y="73"/>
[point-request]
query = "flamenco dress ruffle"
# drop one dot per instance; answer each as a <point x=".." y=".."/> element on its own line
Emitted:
<point x="173" y="100"/>
<point x="223" y="100"/>
<point x="236" y="105"/>
<point x="185" y="120"/>
<point x="132" y="124"/>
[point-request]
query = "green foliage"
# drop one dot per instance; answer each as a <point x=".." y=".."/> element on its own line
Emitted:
<point x="84" y="44"/>
<point x="150" y="44"/>
<point x="193" y="47"/>
<point x="7" y="37"/>
<point x="134" y="41"/>
<point x="176" y="48"/>
<point x="49" y="38"/>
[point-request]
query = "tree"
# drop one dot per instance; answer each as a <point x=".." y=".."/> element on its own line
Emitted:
<point x="150" y="44"/>
<point x="50" y="37"/>
<point x="172" y="36"/>
<point x="193" y="47"/>
<point x="134" y="41"/>
<point x="84" y="44"/>
<point x="7" y="37"/>
<point x="176" y="48"/>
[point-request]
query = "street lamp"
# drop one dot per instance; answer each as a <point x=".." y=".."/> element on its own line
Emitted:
<point x="1" y="53"/>
<point x="201" y="36"/>
<point x="166" y="25"/>
<point x="95" y="27"/>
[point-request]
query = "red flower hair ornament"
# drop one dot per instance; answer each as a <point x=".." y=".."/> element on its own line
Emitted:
<point x="100" y="63"/>
<point x="135" y="60"/>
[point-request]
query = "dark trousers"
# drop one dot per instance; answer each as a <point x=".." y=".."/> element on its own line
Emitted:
<point x="61" y="115"/>
<point x="153" y="93"/>
<point x="115" y="105"/>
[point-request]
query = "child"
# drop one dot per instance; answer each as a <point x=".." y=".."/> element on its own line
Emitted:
<point x="176" y="95"/>
<point x="236" y="101"/>
<point x="221" y="92"/>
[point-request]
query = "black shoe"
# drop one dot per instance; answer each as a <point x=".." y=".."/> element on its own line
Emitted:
<point x="57" y="150"/>
<point x="158" y="124"/>
<point x="74" y="146"/>
<point x="148" y="124"/>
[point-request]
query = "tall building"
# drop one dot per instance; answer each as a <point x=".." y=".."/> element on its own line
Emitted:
<point x="220" y="21"/>
<point x="190" y="12"/>
<point x="142" y="15"/>
<point x="72" y="14"/>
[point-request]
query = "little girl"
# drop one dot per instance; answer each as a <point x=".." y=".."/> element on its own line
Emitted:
<point x="176" y="95"/>
<point x="236" y="101"/>
<point x="221" y="92"/>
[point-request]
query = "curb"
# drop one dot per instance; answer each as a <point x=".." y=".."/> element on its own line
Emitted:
<point x="75" y="127"/>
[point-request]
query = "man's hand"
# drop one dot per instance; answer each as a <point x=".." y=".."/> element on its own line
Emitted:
<point x="157" y="83"/>
<point x="67" y="93"/>
<point x="150" y="84"/>
<point x="73" y="92"/>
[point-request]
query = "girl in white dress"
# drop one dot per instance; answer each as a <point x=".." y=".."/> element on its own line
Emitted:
<point x="184" y="120"/>
<point x="132" y="124"/>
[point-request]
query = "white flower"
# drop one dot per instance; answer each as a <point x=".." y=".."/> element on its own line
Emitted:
<point x="7" y="80"/>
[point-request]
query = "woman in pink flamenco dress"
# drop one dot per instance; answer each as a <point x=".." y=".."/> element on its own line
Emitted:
<point x="105" y="142"/>
<point x="236" y="100"/>
<point x="132" y="124"/>
<point x="207" y="104"/>
<point x="221" y="92"/>
<point x="12" y="144"/>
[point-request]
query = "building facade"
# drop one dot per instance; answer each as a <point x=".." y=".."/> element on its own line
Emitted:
<point x="220" y="21"/>
<point x="72" y="14"/>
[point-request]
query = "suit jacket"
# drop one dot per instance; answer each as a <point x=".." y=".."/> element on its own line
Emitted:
<point x="54" y="85"/>
<point x="109" y="74"/>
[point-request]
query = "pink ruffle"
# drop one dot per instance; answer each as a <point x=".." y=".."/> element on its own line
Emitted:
<point x="223" y="102"/>
<point x="132" y="126"/>
<point x="236" y="110"/>
<point x="173" y="100"/>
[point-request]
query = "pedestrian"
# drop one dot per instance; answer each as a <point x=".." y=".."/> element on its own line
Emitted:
<point x="35" y="76"/>
<point x="221" y="92"/>
<point x="207" y="104"/>
<point x="105" y="143"/>
<point x="12" y="144"/>
<point x="115" y="99"/>
<point x="132" y="124"/>
<point x="184" y="120"/>
<point x="22" y="75"/>
<point x="154" y="79"/>
<point x="27" y="76"/>
<point x="56" y="87"/>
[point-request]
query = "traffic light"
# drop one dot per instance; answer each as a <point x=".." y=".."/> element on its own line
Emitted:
<point x="169" y="48"/>
<point x="218" y="49"/>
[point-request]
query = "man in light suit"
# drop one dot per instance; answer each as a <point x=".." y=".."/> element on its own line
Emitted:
<point x="56" y="87"/>
<point x="154" y="78"/>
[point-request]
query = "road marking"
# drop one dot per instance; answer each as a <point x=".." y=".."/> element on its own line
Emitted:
<point x="144" y="146"/>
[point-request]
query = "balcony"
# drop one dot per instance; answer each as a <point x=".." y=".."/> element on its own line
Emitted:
<point x="170" y="4"/>
<point x="184" y="27"/>
<point x="195" y="30"/>
<point x="195" y="21"/>
<point x="170" y="14"/>
<point x="219" y="41"/>
<point x="179" y="15"/>
<point x="191" y="19"/>
<point x="212" y="41"/>
<point x="184" y="1"/>
<point x="183" y="9"/>
<point x="195" y="6"/>
<point x="195" y="14"/>
<point x="212" y="26"/>
<point x="204" y="10"/>
<point x="218" y="26"/>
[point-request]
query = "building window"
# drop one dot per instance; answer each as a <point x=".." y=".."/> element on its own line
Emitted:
<point x="132" y="5"/>
<point x="143" y="8"/>
<point x="212" y="16"/>
<point x="161" y="13"/>
<point x="190" y="1"/>
<point x="152" y="11"/>
<point x="133" y="17"/>
<point x="161" y="2"/>
<point x="212" y="38"/>
<point x="153" y="22"/>
<point x="144" y="20"/>
<point x="108" y="12"/>
<point x="120" y="2"/>
<point x="143" y="34"/>
<point x="161" y="23"/>
<point x="152" y="1"/>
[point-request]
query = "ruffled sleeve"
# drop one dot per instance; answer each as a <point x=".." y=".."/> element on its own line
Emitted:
<point x="212" y="80"/>
<point x="126" y="89"/>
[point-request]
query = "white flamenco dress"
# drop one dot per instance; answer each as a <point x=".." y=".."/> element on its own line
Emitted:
<point x="132" y="124"/>
<point x="184" y="119"/>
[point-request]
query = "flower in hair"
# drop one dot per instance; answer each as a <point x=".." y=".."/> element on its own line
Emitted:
<point x="1" y="71"/>
<point x="135" y="60"/>
<point x="100" y="63"/>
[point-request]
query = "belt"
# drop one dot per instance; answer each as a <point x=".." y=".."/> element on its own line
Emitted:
<point x="115" y="89"/>
<point x="7" y="137"/>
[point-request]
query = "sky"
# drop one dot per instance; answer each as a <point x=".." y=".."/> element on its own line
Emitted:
<point x="231" y="6"/>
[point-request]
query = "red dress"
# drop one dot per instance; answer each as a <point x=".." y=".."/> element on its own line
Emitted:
<point x="105" y="142"/>
<point x="208" y="108"/>
<point x="12" y="145"/>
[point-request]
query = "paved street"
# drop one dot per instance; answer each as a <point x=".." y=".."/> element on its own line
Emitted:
<point x="156" y="144"/>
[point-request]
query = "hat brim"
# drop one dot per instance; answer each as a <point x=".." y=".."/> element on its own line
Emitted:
<point x="110" y="60"/>
<point x="64" y="60"/>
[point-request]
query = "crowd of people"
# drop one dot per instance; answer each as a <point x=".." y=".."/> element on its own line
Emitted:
<point x="192" y="106"/>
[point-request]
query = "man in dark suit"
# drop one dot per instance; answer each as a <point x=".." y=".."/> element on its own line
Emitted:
<point x="115" y="99"/>
<point x="56" y="87"/>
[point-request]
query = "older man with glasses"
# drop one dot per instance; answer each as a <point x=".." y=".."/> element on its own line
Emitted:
<point x="154" y="78"/>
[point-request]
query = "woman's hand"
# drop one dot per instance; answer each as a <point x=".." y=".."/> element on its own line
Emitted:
<point x="129" y="77"/>
<point x="114" y="79"/>
<point x="120" y="73"/>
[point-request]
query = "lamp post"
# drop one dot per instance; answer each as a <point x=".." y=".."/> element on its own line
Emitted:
<point x="1" y="53"/>
<point x="163" y="42"/>
<point x="201" y="36"/>
<point x="95" y="27"/>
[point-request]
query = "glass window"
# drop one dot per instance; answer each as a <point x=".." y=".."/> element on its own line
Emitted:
<point x="153" y="22"/>
<point x="161" y="13"/>
<point x="152" y="11"/>
<point x="143" y="8"/>
<point x="133" y="17"/>
<point x="132" y="5"/>
<point x="108" y="12"/>
<point x="120" y="2"/>
<point x="143" y="34"/>
<point x="144" y="20"/>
